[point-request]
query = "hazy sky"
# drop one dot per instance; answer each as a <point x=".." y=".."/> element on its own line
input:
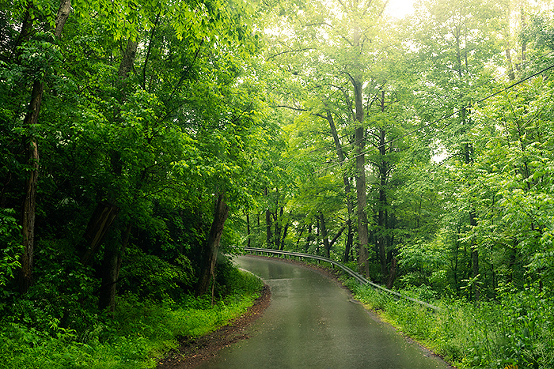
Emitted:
<point x="399" y="8"/>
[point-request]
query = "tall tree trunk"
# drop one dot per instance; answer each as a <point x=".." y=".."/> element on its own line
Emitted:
<point x="212" y="245"/>
<point x="111" y="265"/>
<point x="523" y="26"/>
<point x="324" y="236"/>
<point x="347" y="186"/>
<point x="508" y="53"/>
<point x="98" y="225"/>
<point x="299" y="238"/>
<point x="284" y="236"/>
<point x="269" y="232"/>
<point x="268" y="226"/>
<point x="382" y="204"/>
<point x="474" y="258"/>
<point x="392" y="272"/>
<point x="361" y="193"/>
<point x="29" y="205"/>
<point x="32" y="156"/>
<point x="382" y="217"/>
<point x="277" y="219"/>
<point x="113" y="252"/>
<point x="468" y="158"/>
<point x="332" y="242"/>
<point x="309" y="238"/>
<point x="248" y="233"/>
<point x="318" y="235"/>
<point x="349" y="242"/>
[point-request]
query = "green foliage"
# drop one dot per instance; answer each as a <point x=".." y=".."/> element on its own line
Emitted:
<point x="516" y="330"/>
<point x="459" y="195"/>
<point x="62" y="299"/>
<point x="155" y="279"/>
<point x="9" y="239"/>
<point x="139" y="332"/>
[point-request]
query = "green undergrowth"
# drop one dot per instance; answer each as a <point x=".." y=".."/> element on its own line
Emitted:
<point x="138" y="334"/>
<point x="515" y="332"/>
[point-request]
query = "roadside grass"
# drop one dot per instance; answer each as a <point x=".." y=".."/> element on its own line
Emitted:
<point x="138" y="334"/>
<point x="515" y="332"/>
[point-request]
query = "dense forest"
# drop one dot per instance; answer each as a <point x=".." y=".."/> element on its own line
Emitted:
<point x="142" y="142"/>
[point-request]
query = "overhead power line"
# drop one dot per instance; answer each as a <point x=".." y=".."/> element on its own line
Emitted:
<point x="455" y="112"/>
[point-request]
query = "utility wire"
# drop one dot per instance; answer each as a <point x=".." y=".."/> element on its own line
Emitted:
<point x="332" y="146"/>
<point x="447" y="116"/>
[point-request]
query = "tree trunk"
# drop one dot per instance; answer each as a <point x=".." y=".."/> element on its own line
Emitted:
<point x="113" y="254"/>
<point x="309" y="238"/>
<point x="347" y="186"/>
<point x="277" y="233"/>
<point x="382" y="204"/>
<point x="212" y="245"/>
<point x="508" y="53"/>
<point x="98" y="225"/>
<point x="248" y="233"/>
<point x="299" y="238"/>
<point x="285" y="231"/>
<point x="468" y="158"/>
<point x="363" y="234"/>
<point x="269" y="233"/>
<point x="349" y="242"/>
<point x="332" y="242"/>
<point x="32" y="156"/>
<point x="474" y="258"/>
<point x="128" y="60"/>
<point x="106" y="293"/>
<point x="29" y="205"/>
<point x="392" y="272"/>
<point x="111" y="266"/>
<point x="324" y="236"/>
<point x="318" y="235"/>
<point x="268" y="226"/>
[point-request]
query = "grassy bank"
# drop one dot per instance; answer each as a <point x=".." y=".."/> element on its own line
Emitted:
<point x="137" y="335"/>
<point x="515" y="332"/>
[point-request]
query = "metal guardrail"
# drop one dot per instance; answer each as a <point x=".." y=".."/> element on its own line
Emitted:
<point x="357" y="276"/>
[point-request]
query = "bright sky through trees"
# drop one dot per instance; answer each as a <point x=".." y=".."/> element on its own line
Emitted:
<point x="400" y="8"/>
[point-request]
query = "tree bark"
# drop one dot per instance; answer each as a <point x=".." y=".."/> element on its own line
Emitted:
<point x="474" y="258"/>
<point x="392" y="272"/>
<point x="382" y="203"/>
<point x="361" y="193"/>
<point x="382" y="224"/>
<point x="324" y="236"/>
<point x="309" y="238"/>
<point x="347" y="186"/>
<point x="212" y="245"/>
<point x="349" y="242"/>
<point x="98" y="225"/>
<point x="248" y="233"/>
<point x="111" y="266"/>
<point x="332" y="242"/>
<point x="268" y="225"/>
<point x="112" y="260"/>
<point x="468" y="158"/>
<point x="128" y="60"/>
<point x="32" y="156"/>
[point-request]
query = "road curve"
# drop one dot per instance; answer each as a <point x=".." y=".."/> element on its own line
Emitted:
<point x="313" y="323"/>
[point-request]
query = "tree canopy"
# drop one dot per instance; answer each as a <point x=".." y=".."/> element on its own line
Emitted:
<point x="143" y="141"/>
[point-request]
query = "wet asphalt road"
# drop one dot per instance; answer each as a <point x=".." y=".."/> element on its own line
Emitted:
<point x="313" y="323"/>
